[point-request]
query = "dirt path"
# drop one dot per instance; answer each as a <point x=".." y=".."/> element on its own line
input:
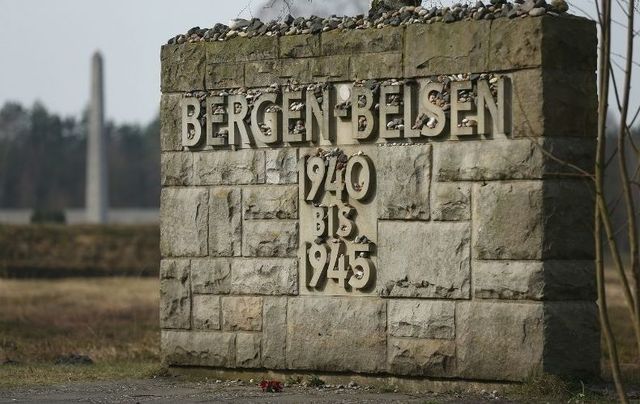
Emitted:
<point x="161" y="390"/>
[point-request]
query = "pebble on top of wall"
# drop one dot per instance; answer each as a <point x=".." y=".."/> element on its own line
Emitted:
<point x="383" y="200"/>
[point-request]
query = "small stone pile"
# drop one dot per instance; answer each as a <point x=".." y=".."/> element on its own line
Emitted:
<point x="487" y="10"/>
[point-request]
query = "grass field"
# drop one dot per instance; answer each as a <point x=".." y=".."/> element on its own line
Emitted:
<point x="114" y="321"/>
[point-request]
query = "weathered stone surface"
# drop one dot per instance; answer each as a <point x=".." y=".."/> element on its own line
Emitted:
<point x="376" y="66"/>
<point x="282" y="166"/>
<point x="349" y="42"/>
<point x="229" y="167"/>
<point x="529" y="220"/>
<point x="527" y="113"/>
<point x="330" y="68"/>
<point x="225" y="222"/>
<point x="242" y="49"/>
<point x="574" y="94"/>
<point x="175" y="294"/>
<point x="403" y="182"/>
<point x="270" y="202"/>
<point x="347" y="334"/>
<point x="211" y="275"/>
<point x="421" y="319"/>
<point x="206" y="312"/>
<point x="511" y="159"/>
<point x="569" y="280"/>
<point x="424" y="259"/>
<point x="198" y="348"/>
<point x="225" y="75"/>
<point x="248" y="350"/>
<point x="572" y="339"/>
<point x="176" y="168"/>
<point x="170" y="122"/>
<point x="499" y="341"/>
<point x="508" y="220"/>
<point x="451" y="201"/>
<point x="517" y="280"/>
<point x="274" y="332"/>
<point x="267" y="72"/>
<point x="568" y="236"/>
<point x="183" y="67"/>
<point x="270" y="238"/>
<point x="296" y="46"/>
<point x="534" y="280"/>
<point x="241" y="313"/>
<point x="515" y="43"/>
<point x="183" y="222"/>
<point x="421" y="357"/>
<point x="264" y="276"/>
<point x="556" y="39"/>
<point x="487" y="160"/>
<point x="446" y="48"/>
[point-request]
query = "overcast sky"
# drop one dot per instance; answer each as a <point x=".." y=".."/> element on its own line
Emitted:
<point x="46" y="46"/>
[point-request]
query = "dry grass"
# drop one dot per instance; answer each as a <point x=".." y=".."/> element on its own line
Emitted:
<point x="112" y="320"/>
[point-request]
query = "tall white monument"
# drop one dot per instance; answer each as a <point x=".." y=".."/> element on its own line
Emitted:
<point x="97" y="198"/>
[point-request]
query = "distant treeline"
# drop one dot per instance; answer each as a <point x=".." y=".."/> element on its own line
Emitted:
<point x="43" y="160"/>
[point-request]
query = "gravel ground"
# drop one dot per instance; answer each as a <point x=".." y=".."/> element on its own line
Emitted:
<point x="163" y="390"/>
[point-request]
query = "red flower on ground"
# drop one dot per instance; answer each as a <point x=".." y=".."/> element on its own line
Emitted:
<point x="271" y="386"/>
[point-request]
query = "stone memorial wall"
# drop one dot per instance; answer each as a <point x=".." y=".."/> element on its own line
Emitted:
<point x="396" y="200"/>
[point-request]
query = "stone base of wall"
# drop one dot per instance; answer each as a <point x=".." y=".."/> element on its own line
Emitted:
<point x="402" y="384"/>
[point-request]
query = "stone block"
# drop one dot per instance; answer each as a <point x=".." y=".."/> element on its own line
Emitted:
<point x="534" y="280"/>
<point x="572" y="340"/>
<point x="264" y="276"/>
<point x="446" y="48"/>
<point x="198" y="348"/>
<point x="421" y="319"/>
<point x="513" y="280"/>
<point x="570" y="94"/>
<point x="183" y="222"/>
<point x="451" y="201"/>
<point x="424" y="259"/>
<point x="404" y="178"/>
<point x="347" y="334"/>
<point x="274" y="332"/>
<point x="241" y="313"/>
<point x="282" y="166"/>
<point x="266" y="72"/>
<point x="242" y="49"/>
<point x="376" y="66"/>
<point x="560" y="51"/>
<point x="568" y="219"/>
<point x="270" y="239"/>
<point x="512" y="159"/>
<point x="330" y="68"/>
<point x="211" y="276"/>
<point x="508" y="220"/>
<point x="499" y="341"/>
<point x="229" y="167"/>
<point x="270" y="202"/>
<point x="225" y="222"/>
<point x="170" y="122"/>
<point x="175" y="294"/>
<point x="176" y="169"/>
<point x="206" y="312"/>
<point x="349" y="42"/>
<point x="527" y="106"/>
<point x="516" y="43"/>
<point x="224" y="75"/>
<point x="248" y="350"/>
<point x="182" y="67"/>
<point x="533" y="220"/>
<point x="299" y="46"/>
<point x="422" y="357"/>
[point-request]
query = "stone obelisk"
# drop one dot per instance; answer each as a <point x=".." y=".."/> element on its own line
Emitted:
<point x="96" y="187"/>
